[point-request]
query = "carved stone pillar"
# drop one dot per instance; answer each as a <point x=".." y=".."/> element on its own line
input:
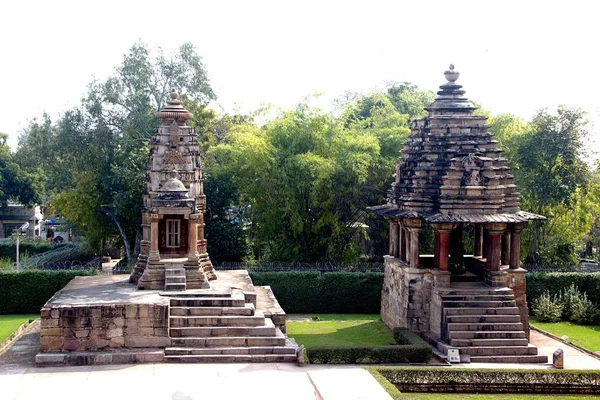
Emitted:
<point x="506" y="248"/>
<point x="193" y="238"/>
<point x="393" y="251"/>
<point x="478" y="241"/>
<point x="494" y="235"/>
<point x="401" y="241"/>
<point x="154" y="254"/>
<point x="406" y="245"/>
<point x="515" y="245"/>
<point x="414" y="227"/>
<point x="442" y="246"/>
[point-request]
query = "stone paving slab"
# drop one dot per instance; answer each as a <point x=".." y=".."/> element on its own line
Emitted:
<point x="99" y="290"/>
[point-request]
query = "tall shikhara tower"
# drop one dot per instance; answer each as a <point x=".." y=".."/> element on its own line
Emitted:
<point x="173" y="252"/>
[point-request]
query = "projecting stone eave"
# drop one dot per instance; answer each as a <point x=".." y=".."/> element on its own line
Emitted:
<point x="393" y="211"/>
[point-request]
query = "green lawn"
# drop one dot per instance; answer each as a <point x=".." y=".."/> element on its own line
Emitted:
<point x="10" y="323"/>
<point x="587" y="337"/>
<point x="339" y="330"/>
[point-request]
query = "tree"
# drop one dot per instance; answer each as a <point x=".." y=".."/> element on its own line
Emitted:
<point x="17" y="184"/>
<point x="551" y="171"/>
<point x="99" y="150"/>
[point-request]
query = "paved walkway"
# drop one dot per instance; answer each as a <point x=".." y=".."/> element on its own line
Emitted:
<point x="20" y="379"/>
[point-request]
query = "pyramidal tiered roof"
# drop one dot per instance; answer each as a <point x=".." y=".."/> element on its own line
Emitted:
<point x="451" y="169"/>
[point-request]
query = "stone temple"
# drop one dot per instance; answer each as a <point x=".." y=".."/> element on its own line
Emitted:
<point x="451" y="178"/>
<point x="174" y="307"/>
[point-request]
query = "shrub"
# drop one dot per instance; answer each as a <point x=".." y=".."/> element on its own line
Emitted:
<point x="483" y="380"/>
<point x="557" y="282"/>
<point x="26" y="291"/>
<point x="331" y="292"/>
<point x="571" y="299"/>
<point x="583" y="311"/>
<point x="400" y="335"/>
<point x="548" y="308"/>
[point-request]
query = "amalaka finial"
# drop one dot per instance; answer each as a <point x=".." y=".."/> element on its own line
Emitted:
<point x="451" y="75"/>
<point x="174" y="94"/>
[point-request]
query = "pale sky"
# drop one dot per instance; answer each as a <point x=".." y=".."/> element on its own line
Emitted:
<point x="513" y="56"/>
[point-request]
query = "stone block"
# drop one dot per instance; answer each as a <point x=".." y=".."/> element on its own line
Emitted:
<point x="50" y="323"/>
<point x="82" y="333"/>
<point x="51" y="332"/>
<point x="73" y="345"/>
<point x="51" y="343"/>
<point x="116" y="332"/>
<point x="131" y="311"/>
<point x="117" y="342"/>
<point x="144" y="341"/>
<point x="558" y="359"/>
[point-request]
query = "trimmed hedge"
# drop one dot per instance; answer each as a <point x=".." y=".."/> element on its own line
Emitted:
<point x="412" y="349"/>
<point x="26" y="291"/>
<point x="400" y="354"/>
<point x="556" y="282"/>
<point x="449" y="379"/>
<point x="326" y="293"/>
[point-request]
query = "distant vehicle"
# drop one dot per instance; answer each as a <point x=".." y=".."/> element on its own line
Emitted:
<point x="52" y="230"/>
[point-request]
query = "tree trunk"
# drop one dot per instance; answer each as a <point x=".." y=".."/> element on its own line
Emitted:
<point x="125" y="240"/>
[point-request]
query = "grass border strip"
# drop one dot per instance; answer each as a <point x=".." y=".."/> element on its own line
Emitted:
<point x="6" y="343"/>
<point x="575" y="346"/>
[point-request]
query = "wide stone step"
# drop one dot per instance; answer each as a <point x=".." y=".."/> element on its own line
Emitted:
<point x="480" y="311"/>
<point x="247" y="310"/>
<point x="525" y="359"/>
<point x="208" y="302"/>
<point x="483" y="318"/>
<point x="174" y="272"/>
<point x="174" y="286"/>
<point x="499" y="297"/>
<point x="258" y="319"/>
<point x="222" y="358"/>
<point x="499" y="351"/>
<point x="487" y="291"/>
<point x="175" y="279"/>
<point x="179" y="351"/>
<point x="518" y="326"/>
<point x="487" y="334"/>
<point x="245" y="341"/>
<point x="210" y="331"/>
<point x="488" y="342"/>
<point x="478" y="304"/>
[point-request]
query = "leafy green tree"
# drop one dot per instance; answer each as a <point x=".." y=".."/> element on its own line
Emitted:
<point x="409" y="100"/>
<point x="98" y="151"/>
<point x="16" y="183"/>
<point x="551" y="173"/>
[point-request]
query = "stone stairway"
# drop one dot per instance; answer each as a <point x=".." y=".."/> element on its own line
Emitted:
<point x="216" y="327"/>
<point x="485" y="325"/>
<point x="175" y="277"/>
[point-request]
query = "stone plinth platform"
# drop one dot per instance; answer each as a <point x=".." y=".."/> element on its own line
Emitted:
<point x="105" y="319"/>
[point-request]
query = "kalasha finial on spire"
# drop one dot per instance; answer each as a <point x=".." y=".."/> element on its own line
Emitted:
<point x="451" y="75"/>
<point x="174" y="109"/>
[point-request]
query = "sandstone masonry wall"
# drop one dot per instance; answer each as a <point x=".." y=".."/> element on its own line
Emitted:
<point x="101" y="327"/>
